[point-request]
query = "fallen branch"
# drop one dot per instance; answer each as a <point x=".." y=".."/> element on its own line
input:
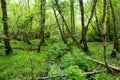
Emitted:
<point x="45" y="78"/>
<point x="90" y="75"/>
<point x="24" y="48"/>
<point x="87" y="73"/>
<point x="116" y="69"/>
<point x="95" y="72"/>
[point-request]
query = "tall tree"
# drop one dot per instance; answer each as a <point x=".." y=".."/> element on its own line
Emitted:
<point x="116" y="42"/>
<point x="66" y="25"/>
<point x="5" y="25"/>
<point x="104" y="34"/>
<point x="42" y="23"/>
<point x="85" y="27"/>
<point x="72" y="16"/>
<point x="61" y="32"/>
<point x="109" y="22"/>
<point x="98" y="26"/>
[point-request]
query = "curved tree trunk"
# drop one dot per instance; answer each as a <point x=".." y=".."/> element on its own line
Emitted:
<point x="104" y="35"/>
<point x="5" y="25"/>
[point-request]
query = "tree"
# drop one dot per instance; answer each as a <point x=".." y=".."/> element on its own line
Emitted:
<point x="104" y="34"/>
<point x="85" y="27"/>
<point x="108" y="22"/>
<point x="116" y="42"/>
<point x="5" y="25"/>
<point x="61" y="32"/>
<point x="42" y="23"/>
<point x="72" y="16"/>
<point x="66" y="25"/>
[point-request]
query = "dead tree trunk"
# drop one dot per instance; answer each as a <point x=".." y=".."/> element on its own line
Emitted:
<point x="5" y="25"/>
<point x="115" y="69"/>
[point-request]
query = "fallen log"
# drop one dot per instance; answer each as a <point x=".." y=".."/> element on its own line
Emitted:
<point x="116" y="69"/>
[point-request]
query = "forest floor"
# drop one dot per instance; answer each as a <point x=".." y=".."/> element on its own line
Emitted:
<point x="25" y="63"/>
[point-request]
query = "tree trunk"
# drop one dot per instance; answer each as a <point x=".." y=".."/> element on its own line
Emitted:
<point x="108" y="24"/>
<point x="5" y="24"/>
<point x="104" y="36"/>
<point x="42" y="7"/>
<point x="61" y="32"/>
<point x="98" y="27"/>
<point x="116" y="42"/>
<point x="72" y="16"/>
<point x="84" y="29"/>
<point x="66" y="25"/>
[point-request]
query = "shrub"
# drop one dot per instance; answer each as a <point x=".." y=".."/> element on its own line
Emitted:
<point x="75" y="73"/>
<point x="103" y="76"/>
<point x="76" y="58"/>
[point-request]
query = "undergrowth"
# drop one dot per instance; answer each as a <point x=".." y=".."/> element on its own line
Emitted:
<point x="54" y="59"/>
<point x="18" y="66"/>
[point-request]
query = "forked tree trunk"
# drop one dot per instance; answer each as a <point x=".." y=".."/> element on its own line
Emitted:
<point x="85" y="28"/>
<point x="42" y="24"/>
<point x="5" y="25"/>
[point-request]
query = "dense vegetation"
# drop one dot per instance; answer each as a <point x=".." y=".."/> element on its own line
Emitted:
<point x="59" y="40"/>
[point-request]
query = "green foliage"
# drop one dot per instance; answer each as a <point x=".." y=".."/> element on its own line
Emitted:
<point x="91" y="35"/>
<point x="52" y="40"/>
<point x="76" y="58"/>
<point x="24" y="18"/>
<point x="54" y="51"/>
<point x="54" y="70"/>
<point x="75" y="73"/>
<point x="18" y="66"/>
<point x="103" y="76"/>
<point x="35" y="41"/>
